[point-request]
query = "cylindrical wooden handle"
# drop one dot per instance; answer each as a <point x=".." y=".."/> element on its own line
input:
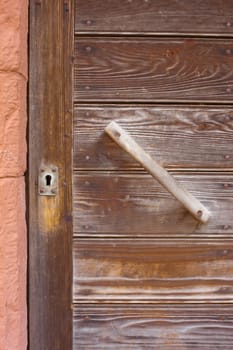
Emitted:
<point x="123" y="139"/>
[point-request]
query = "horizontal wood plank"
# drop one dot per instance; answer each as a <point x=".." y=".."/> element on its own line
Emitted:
<point x="134" y="204"/>
<point x="154" y="17"/>
<point x="137" y="327"/>
<point x="153" y="270"/>
<point x="177" y="137"/>
<point x="108" y="69"/>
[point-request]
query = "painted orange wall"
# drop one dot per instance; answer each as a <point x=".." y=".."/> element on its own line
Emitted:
<point x="13" y="80"/>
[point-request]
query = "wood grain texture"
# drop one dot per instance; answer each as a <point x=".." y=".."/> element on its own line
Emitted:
<point x="154" y="17"/>
<point x="176" y="136"/>
<point x="137" y="327"/>
<point x="153" y="270"/>
<point x="134" y="204"/>
<point x="50" y="142"/>
<point x="185" y="70"/>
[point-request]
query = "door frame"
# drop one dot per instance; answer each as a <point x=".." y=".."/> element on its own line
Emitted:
<point x="51" y="32"/>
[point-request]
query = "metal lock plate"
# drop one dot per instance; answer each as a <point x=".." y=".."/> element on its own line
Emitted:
<point x="48" y="181"/>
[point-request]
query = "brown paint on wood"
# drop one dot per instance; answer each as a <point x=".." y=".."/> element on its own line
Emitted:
<point x="210" y="17"/>
<point x="179" y="137"/>
<point x="164" y="327"/>
<point x="134" y="204"/>
<point x="50" y="142"/>
<point x="146" y="69"/>
<point x="153" y="270"/>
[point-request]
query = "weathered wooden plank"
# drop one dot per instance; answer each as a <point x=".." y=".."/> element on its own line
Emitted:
<point x="137" y="327"/>
<point x="154" y="17"/>
<point x="134" y="204"/>
<point x="177" y="137"/>
<point x="50" y="142"/>
<point x="196" y="70"/>
<point x="153" y="270"/>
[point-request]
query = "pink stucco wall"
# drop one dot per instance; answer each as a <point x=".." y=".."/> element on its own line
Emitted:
<point x="13" y="80"/>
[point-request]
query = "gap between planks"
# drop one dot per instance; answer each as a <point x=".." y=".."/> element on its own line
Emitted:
<point x="101" y="303"/>
<point x="165" y="305"/>
<point x="117" y="104"/>
<point x="155" y="240"/>
<point x="152" y="103"/>
<point x="91" y="236"/>
<point x="144" y="35"/>
<point x="195" y="171"/>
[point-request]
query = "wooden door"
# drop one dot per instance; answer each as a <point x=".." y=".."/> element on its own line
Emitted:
<point x="146" y="274"/>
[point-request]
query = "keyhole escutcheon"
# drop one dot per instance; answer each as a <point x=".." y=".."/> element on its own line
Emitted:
<point x="48" y="181"/>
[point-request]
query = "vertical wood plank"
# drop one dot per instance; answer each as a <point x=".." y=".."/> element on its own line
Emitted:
<point x="50" y="142"/>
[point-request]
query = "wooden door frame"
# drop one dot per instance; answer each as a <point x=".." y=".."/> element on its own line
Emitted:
<point x="50" y="143"/>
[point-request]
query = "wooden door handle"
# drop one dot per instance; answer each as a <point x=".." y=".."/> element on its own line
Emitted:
<point x="123" y="139"/>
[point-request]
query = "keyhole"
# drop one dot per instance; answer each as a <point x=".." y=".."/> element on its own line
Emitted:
<point x="48" y="179"/>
